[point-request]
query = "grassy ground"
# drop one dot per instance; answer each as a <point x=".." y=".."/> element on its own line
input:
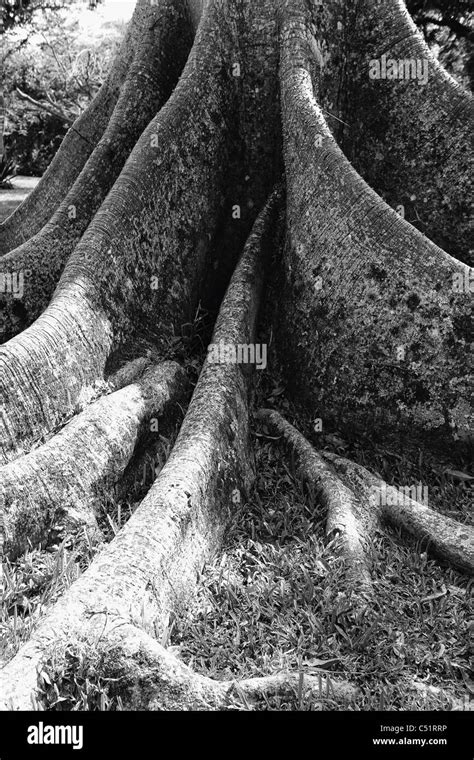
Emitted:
<point x="274" y="600"/>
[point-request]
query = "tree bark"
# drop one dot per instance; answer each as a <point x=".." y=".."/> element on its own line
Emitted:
<point x="362" y="285"/>
<point x="151" y="565"/>
<point x="368" y="320"/>
<point x="68" y="478"/>
<point x="408" y="136"/>
<point x="157" y="222"/>
<point x="162" y="46"/>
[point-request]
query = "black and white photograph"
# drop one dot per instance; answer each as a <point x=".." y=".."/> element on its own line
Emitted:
<point x="236" y="377"/>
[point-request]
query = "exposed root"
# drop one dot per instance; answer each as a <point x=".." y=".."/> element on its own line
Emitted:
<point x="155" y="227"/>
<point x="429" y="691"/>
<point x="446" y="538"/>
<point x="66" y="479"/>
<point x="348" y="518"/>
<point x="146" y="676"/>
<point x="151" y="565"/>
<point x="128" y="373"/>
<point x="163" y="44"/>
<point x="358" y="502"/>
<point x="317" y="687"/>
<point x="382" y="335"/>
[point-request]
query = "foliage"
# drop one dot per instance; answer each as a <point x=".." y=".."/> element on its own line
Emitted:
<point x="7" y="172"/>
<point x="273" y="601"/>
<point x="20" y="12"/>
<point x="50" y="74"/>
<point x="447" y="26"/>
<point x="451" y="13"/>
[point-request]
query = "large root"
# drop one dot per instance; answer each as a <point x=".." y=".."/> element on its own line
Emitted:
<point x="348" y="519"/>
<point x="151" y="565"/>
<point x="382" y="334"/>
<point x="163" y="44"/>
<point x="155" y="227"/>
<point x="67" y="478"/>
<point x="451" y="541"/>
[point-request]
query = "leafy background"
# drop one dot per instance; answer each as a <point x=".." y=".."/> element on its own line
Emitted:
<point x="56" y="53"/>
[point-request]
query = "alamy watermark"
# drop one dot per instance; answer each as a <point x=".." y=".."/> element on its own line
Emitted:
<point x="231" y="353"/>
<point x="46" y="734"/>
<point x="463" y="282"/>
<point x="12" y="283"/>
<point x="403" y="68"/>
<point x="386" y="496"/>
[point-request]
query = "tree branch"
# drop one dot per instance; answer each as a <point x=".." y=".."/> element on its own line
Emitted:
<point x="459" y="29"/>
<point x="44" y="107"/>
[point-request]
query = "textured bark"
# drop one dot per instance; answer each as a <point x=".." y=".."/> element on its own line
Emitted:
<point x="151" y="565"/>
<point x="410" y="141"/>
<point x="446" y="538"/>
<point x="369" y="330"/>
<point x="348" y="519"/>
<point x="68" y="478"/>
<point x="157" y="222"/>
<point x="162" y="45"/>
<point x="409" y="138"/>
<point x="383" y="339"/>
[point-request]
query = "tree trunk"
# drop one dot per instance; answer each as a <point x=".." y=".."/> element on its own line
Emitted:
<point x="222" y="123"/>
<point x="162" y="46"/>
<point x="362" y="285"/>
<point x="64" y="480"/>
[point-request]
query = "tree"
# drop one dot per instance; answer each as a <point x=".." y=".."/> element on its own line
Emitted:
<point x="454" y="15"/>
<point x="19" y="12"/>
<point x="324" y="141"/>
<point x="50" y="73"/>
<point x="448" y="23"/>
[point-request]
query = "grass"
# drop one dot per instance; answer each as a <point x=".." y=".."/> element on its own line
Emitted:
<point x="274" y="599"/>
<point x="32" y="583"/>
